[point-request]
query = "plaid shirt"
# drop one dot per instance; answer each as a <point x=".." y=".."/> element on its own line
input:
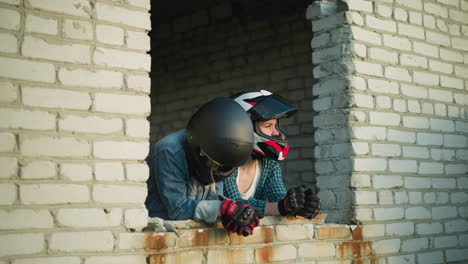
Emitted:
<point x="269" y="189"/>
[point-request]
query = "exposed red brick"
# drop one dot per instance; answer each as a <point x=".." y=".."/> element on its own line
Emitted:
<point x="155" y="241"/>
<point x="265" y="254"/>
<point x="263" y="234"/>
<point x="333" y="232"/>
<point x="355" y="249"/>
<point x="359" y="250"/>
<point x="157" y="259"/>
<point x="357" y="233"/>
<point x="181" y="257"/>
<point x="203" y="237"/>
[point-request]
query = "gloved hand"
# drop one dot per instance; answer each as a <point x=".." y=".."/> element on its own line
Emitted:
<point x="311" y="205"/>
<point x="239" y="217"/>
<point x="292" y="201"/>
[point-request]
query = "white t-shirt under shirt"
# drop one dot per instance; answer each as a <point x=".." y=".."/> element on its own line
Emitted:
<point x="253" y="186"/>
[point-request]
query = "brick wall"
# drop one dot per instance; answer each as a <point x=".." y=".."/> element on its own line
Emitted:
<point x="277" y="240"/>
<point x="218" y="51"/>
<point x="391" y="129"/>
<point x="392" y="125"/>
<point x="74" y="98"/>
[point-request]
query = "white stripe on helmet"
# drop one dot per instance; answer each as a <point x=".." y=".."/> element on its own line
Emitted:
<point x="251" y="95"/>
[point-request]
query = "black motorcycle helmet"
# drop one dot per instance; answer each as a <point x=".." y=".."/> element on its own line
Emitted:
<point x="219" y="138"/>
<point x="263" y="105"/>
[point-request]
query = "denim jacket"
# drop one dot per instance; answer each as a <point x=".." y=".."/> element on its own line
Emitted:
<point x="173" y="193"/>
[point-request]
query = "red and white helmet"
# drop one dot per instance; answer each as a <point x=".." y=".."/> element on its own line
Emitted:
<point x="263" y="105"/>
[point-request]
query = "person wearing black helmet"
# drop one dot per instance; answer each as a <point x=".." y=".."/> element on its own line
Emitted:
<point x="259" y="181"/>
<point x="187" y="168"/>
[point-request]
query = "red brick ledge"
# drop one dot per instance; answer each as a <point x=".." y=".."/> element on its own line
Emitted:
<point x="277" y="239"/>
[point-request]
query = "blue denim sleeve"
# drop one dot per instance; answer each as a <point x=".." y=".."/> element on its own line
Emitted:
<point x="172" y="181"/>
<point x="208" y="211"/>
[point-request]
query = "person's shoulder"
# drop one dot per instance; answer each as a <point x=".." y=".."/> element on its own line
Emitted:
<point x="173" y="142"/>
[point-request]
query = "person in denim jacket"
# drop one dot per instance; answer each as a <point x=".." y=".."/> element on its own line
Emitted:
<point x="187" y="168"/>
<point x="259" y="181"/>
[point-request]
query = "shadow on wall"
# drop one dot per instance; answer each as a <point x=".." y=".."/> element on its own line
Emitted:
<point x="217" y="48"/>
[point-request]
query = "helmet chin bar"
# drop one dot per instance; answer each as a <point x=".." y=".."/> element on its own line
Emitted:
<point x="275" y="148"/>
<point x="262" y="105"/>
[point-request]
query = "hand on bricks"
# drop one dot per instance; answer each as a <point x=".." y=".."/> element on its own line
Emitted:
<point x="239" y="217"/>
<point x="292" y="201"/>
<point x="311" y="205"/>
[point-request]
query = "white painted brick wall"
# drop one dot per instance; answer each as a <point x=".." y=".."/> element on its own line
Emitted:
<point x="27" y="119"/>
<point x="387" y="246"/>
<point x="120" y="15"/>
<point x="27" y="70"/>
<point x="110" y="35"/>
<point x="120" y="150"/>
<point x="9" y="193"/>
<point x="381" y="24"/>
<point x="136" y="218"/>
<point x="53" y="193"/>
<point x="429" y="228"/>
<point x="386" y="150"/>
<point x="7" y="142"/>
<point x="122" y="59"/>
<point x="90" y="241"/>
<point x="412" y="58"/>
<point x="77" y="29"/>
<point x="50" y="260"/>
<point x="38" y="170"/>
<point x="365" y="197"/>
<point x="425" y="86"/>
<point x="8" y="167"/>
<point x="399" y="229"/>
<point x="54" y="146"/>
<point x="137" y="128"/>
<point x="116" y="259"/>
<point x="416" y="244"/>
<point x="9" y="92"/>
<point x="40" y="48"/>
<point x="76" y="172"/>
<point x="40" y="24"/>
<point x="90" y="124"/>
<point x="109" y="171"/>
<point x="21" y="219"/>
<point x="89" y="217"/>
<point x="137" y="40"/>
<point x="52" y="77"/>
<point x="121" y="103"/>
<point x="9" y="43"/>
<point x="74" y="7"/>
<point x="414" y="213"/>
<point x="57" y="98"/>
<point x="21" y="244"/>
<point x="124" y="194"/>
<point x="136" y="172"/>
<point x="90" y="78"/>
<point x="139" y="82"/>
<point x="10" y="19"/>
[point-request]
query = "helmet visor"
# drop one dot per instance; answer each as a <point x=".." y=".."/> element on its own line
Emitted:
<point x="272" y="107"/>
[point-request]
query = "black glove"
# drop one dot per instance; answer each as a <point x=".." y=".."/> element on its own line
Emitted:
<point x="311" y="205"/>
<point x="239" y="217"/>
<point x="292" y="201"/>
